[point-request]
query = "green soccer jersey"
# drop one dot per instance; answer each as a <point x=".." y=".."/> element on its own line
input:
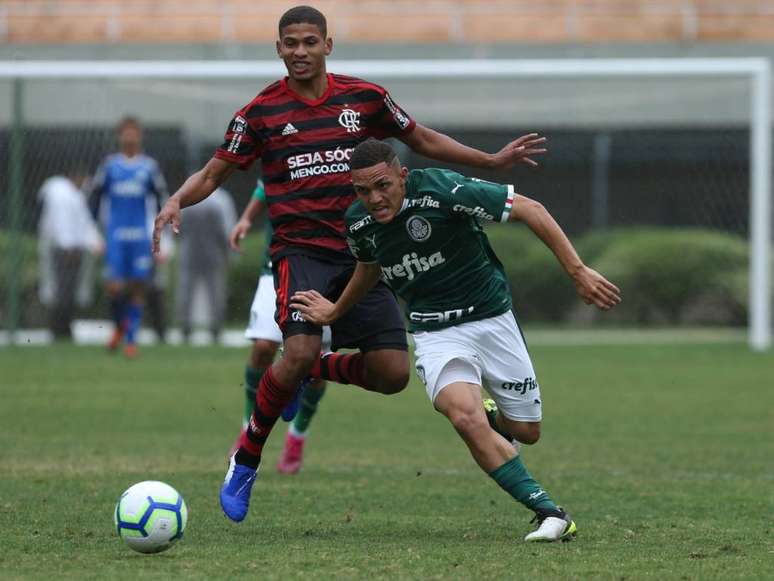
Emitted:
<point x="434" y="253"/>
<point x="259" y="193"/>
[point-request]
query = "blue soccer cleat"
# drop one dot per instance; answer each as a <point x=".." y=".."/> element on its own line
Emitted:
<point x="290" y="411"/>
<point x="236" y="489"/>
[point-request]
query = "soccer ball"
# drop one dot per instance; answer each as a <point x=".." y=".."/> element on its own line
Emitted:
<point x="150" y="516"/>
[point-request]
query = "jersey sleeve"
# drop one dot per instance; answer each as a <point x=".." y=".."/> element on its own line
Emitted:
<point x="391" y="120"/>
<point x="360" y="250"/>
<point x="357" y="238"/>
<point x="241" y="144"/>
<point x="472" y="196"/>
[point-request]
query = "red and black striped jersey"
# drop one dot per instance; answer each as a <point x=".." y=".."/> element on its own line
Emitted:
<point x="305" y="147"/>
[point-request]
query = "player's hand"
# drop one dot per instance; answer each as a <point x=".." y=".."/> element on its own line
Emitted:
<point x="170" y="214"/>
<point x="238" y="232"/>
<point x="520" y="150"/>
<point x="596" y="290"/>
<point x="315" y="308"/>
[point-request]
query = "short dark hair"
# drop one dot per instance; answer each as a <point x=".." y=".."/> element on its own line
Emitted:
<point x="305" y="14"/>
<point x="372" y="152"/>
<point x="128" y="121"/>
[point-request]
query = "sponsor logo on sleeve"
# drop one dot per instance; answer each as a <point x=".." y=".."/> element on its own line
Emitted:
<point x="400" y="117"/>
<point x="477" y="212"/>
<point x="363" y="222"/>
<point x="238" y="128"/>
<point x="239" y="125"/>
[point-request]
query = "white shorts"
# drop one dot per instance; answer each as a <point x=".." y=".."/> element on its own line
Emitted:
<point x="490" y="353"/>
<point x="262" y="324"/>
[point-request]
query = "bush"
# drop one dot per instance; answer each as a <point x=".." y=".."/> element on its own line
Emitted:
<point x="26" y="277"/>
<point x="667" y="276"/>
<point x="541" y="289"/>
<point x="670" y="276"/>
<point x="678" y="276"/>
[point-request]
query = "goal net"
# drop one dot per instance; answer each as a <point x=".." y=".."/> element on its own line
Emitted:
<point x="658" y="169"/>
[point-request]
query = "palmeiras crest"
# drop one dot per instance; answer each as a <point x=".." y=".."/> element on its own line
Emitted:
<point x="418" y="228"/>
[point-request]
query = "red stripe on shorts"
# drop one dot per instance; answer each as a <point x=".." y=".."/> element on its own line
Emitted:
<point x="282" y="293"/>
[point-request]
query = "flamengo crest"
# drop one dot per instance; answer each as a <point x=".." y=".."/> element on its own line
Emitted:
<point x="350" y="120"/>
<point x="418" y="228"/>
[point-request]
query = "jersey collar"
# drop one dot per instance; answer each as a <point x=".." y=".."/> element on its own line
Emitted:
<point x="130" y="160"/>
<point x="310" y="102"/>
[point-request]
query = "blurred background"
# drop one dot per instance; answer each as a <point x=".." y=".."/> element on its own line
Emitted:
<point x="650" y="176"/>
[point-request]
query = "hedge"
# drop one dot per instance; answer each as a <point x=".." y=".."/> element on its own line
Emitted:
<point x="667" y="276"/>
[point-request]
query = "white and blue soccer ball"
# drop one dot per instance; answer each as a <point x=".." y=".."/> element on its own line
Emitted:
<point x="151" y="516"/>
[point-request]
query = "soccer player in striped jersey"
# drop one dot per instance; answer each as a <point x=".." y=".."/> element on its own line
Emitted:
<point x="304" y="128"/>
<point x="126" y="192"/>
<point x="421" y="231"/>
<point x="266" y="336"/>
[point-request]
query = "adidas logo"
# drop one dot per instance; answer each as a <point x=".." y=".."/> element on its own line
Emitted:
<point x="289" y="129"/>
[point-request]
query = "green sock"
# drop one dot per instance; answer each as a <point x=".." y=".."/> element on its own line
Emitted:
<point x="307" y="408"/>
<point x="252" y="379"/>
<point x="514" y="478"/>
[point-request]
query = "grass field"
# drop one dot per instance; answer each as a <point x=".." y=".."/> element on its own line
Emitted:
<point x="663" y="454"/>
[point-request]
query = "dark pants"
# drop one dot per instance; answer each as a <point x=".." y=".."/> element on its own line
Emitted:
<point x="67" y="265"/>
<point x="213" y="276"/>
<point x="154" y="301"/>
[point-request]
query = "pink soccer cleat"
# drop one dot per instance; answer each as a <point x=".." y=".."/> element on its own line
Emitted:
<point x="292" y="455"/>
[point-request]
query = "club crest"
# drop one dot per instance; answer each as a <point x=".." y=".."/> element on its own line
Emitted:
<point x="418" y="228"/>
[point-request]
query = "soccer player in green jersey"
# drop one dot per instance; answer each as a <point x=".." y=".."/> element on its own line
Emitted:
<point x="266" y="336"/>
<point x="420" y="231"/>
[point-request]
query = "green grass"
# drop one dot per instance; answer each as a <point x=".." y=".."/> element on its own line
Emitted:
<point x="664" y="455"/>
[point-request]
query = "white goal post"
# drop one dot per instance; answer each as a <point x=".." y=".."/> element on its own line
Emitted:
<point x="755" y="70"/>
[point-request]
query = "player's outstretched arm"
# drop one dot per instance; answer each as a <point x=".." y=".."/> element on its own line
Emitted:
<point x="318" y="310"/>
<point x="438" y="146"/>
<point x="194" y="190"/>
<point x="591" y="286"/>
<point x="242" y="227"/>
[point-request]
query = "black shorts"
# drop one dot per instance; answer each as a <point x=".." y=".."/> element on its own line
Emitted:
<point x="373" y="323"/>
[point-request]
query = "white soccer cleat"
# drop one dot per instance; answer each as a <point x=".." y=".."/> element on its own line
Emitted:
<point x="552" y="528"/>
